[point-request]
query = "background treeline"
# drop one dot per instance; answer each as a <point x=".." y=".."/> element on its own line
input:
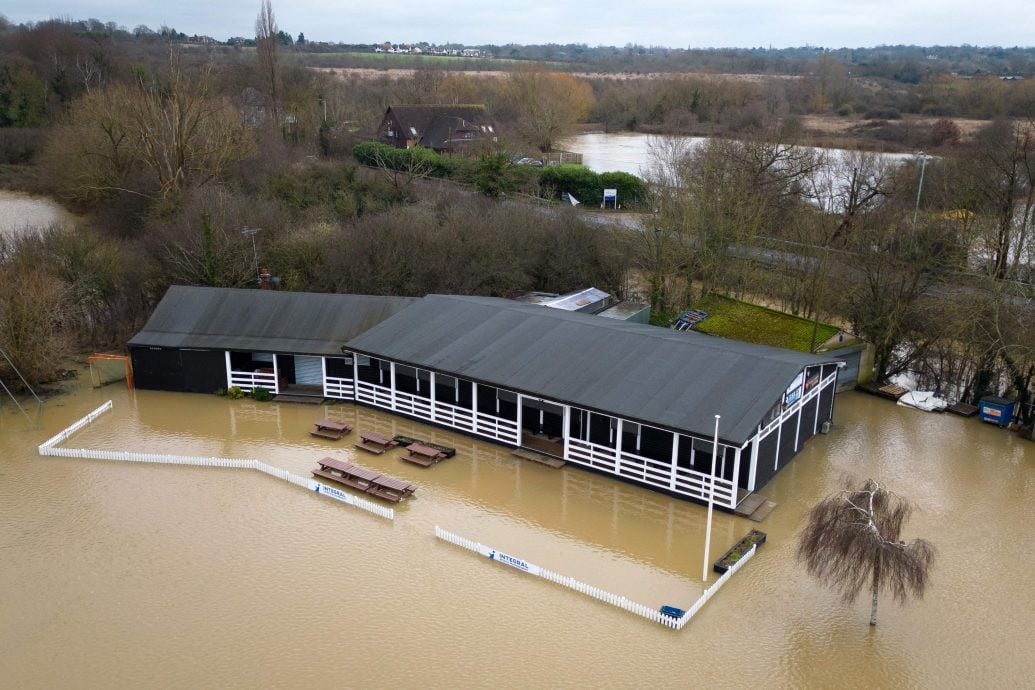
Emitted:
<point x="170" y="150"/>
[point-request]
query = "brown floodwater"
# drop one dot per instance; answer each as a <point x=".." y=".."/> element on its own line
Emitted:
<point x="127" y="575"/>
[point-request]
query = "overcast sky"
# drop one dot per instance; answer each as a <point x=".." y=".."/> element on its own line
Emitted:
<point x="673" y="23"/>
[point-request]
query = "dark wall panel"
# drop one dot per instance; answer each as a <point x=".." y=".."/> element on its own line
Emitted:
<point x="765" y="469"/>
<point x="787" y="448"/>
<point x="204" y="371"/>
<point x="808" y="422"/>
<point x="157" y="369"/>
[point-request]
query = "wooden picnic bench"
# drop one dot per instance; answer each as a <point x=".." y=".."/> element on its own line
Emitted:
<point x="328" y="428"/>
<point x="346" y="473"/>
<point x="422" y="455"/>
<point x="391" y="489"/>
<point x="366" y="480"/>
<point x="375" y="443"/>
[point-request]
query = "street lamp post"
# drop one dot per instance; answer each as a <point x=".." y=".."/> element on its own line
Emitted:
<point x="250" y="232"/>
<point x="711" y="501"/>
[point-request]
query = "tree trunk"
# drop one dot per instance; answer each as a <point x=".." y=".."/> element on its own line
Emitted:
<point x="876" y="587"/>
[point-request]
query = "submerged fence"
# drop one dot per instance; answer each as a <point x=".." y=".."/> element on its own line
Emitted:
<point x="47" y="449"/>
<point x="647" y="612"/>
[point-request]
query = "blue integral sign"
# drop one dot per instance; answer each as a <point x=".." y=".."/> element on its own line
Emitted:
<point x="514" y="562"/>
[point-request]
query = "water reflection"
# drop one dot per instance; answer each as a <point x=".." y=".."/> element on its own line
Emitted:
<point x="19" y="212"/>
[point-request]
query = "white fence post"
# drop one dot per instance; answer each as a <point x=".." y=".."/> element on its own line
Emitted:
<point x="47" y="449"/>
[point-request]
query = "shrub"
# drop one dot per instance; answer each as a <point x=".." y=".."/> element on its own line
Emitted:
<point x="234" y="392"/>
<point x="261" y="394"/>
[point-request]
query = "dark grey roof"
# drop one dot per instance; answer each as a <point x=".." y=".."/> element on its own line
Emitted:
<point x="654" y="375"/>
<point x="263" y="320"/>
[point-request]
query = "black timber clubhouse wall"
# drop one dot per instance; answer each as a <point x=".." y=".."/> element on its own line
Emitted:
<point x="188" y="371"/>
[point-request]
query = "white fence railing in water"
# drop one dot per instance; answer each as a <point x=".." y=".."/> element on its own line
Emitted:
<point x="595" y="592"/>
<point x="47" y="448"/>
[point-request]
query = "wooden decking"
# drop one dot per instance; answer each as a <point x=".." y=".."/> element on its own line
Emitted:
<point x="754" y="507"/>
<point x="363" y="479"/>
<point x="547" y="460"/>
<point x="541" y="443"/>
<point x="330" y="429"/>
<point x="963" y="409"/>
<point x="375" y="443"/>
<point x="888" y="391"/>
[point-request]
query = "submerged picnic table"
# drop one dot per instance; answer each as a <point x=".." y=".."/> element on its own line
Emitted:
<point x="367" y="480"/>
<point x="375" y="443"/>
<point x="328" y="428"/>
<point x="423" y="455"/>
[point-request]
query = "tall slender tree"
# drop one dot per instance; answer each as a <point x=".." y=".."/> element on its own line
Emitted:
<point x="851" y="541"/>
<point x="266" y="43"/>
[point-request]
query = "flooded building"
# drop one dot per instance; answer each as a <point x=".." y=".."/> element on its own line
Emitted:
<point x="625" y="399"/>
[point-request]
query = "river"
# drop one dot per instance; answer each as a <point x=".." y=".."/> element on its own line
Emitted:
<point x="118" y="575"/>
<point x="631" y="151"/>
<point x="20" y="211"/>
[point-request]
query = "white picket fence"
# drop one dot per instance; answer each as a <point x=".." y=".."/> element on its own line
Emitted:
<point x="595" y="592"/>
<point x="47" y="449"/>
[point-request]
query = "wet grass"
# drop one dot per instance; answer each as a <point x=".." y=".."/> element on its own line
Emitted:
<point x="730" y="318"/>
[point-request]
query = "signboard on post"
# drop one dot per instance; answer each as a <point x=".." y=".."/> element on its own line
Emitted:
<point x="612" y="196"/>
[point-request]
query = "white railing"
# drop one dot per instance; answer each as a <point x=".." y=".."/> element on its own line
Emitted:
<point x="649" y="471"/>
<point x="47" y="449"/>
<point x="250" y="380"/>
<point x="439" y="413"/>
<point x="595" y="592"/>
<point x="343" y="389"/>
<point x="375" y="395"/>
<point x="797" y="405"/>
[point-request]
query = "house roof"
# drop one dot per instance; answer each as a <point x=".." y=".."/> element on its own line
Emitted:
<point x="263" y="320"/>
<point x="421" y="116"/>
<point x="676" y="380"/>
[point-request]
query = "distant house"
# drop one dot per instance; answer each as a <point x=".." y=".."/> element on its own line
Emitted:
<point x="443" y="128"/>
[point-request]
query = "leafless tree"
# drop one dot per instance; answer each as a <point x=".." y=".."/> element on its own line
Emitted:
<point x="851" y="541"/>
<point x="266" y="48"/>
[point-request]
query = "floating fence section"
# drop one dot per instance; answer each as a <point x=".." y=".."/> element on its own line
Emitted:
<point x="47" y="449"/>
<point x="595" y="592"/>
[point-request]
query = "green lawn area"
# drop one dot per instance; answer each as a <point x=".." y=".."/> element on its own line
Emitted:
<point x="730" y="318"/>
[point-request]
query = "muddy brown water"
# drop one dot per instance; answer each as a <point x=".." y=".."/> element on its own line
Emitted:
<point x="126" y="575"/>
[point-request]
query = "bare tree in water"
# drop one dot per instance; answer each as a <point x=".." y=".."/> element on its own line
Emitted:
<point x="851" y="540"/>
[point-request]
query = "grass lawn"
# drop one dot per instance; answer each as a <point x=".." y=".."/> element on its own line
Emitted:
<point x="730" y="318"/>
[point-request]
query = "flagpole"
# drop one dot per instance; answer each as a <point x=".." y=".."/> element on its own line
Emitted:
<point x="711" y="501"/>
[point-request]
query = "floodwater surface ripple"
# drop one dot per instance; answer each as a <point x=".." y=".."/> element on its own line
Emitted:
<point x="129" y="575"/>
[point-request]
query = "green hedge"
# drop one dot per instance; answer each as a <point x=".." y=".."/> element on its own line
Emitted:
<point x="376" y="153"/>
<point x="588" y="186"/>
<point x="578" y="180"/>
